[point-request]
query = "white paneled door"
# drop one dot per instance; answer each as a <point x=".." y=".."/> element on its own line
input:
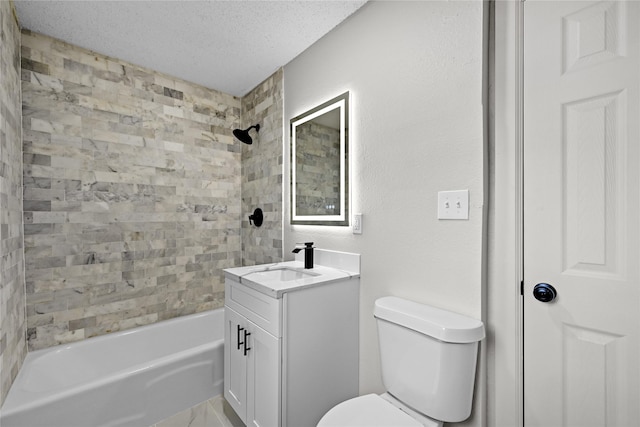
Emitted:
<point x="581" y="213"/>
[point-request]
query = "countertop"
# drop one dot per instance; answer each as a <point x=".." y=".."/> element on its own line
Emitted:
<point x="317" y="276"/>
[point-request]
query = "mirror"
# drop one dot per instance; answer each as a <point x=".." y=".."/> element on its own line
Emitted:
<point x="319" y="164"/>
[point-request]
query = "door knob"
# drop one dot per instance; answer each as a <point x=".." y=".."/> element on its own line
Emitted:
<point x="544" y="292"/>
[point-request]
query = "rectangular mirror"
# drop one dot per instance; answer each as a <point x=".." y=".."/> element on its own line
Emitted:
<point x="320" y="164"/>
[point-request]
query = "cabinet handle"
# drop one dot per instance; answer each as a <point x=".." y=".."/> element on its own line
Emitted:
<point x="238" y="340"/>
<point x="246" y="349"/>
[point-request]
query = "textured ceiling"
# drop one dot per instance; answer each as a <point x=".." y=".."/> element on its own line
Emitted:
<point x="230" y="46"/>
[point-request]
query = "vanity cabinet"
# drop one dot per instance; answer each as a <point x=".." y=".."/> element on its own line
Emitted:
<point x="252" y="371"/>
<point x="292" y="356"/>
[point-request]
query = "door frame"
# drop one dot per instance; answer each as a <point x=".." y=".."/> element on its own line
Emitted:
<point x="506" y="212"/>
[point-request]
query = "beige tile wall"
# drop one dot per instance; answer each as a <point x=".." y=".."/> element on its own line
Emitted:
<point x="262" y="172"/>
<point x="318" y="174"/>
<point x="12" y="294"/>
<point x="132" y="186"/>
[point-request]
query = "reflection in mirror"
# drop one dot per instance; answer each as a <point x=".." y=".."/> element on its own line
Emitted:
<point x="319" y="164"/>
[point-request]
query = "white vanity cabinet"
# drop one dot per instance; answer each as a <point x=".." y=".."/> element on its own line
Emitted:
<point x="251" y="356"/>
<point x="290" y="355"/>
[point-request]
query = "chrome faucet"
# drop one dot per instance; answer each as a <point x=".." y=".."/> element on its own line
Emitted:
<point x="308" y="253"/>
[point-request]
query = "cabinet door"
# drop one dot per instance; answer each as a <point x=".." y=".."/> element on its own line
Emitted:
<point x="263" y="374"/>
<point x="235" y="363"/>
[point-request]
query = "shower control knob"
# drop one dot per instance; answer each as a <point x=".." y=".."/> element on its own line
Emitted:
<point x="544" y="292"/>
<point x="257" y="217"/>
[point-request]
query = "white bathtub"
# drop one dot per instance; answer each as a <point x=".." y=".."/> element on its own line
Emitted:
<point x="135" y="377"/>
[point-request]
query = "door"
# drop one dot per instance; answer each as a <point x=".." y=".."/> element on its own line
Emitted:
<point x="263" y="379"/>
<point x="235" y="362"/>
<point x="252" y="371"/>
<point x="581" y="214"/>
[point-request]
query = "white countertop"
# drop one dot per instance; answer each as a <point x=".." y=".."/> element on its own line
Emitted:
<point x="298" y="277"/>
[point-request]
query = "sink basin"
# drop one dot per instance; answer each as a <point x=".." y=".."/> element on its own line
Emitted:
<point x="282" y="274"/>
<point x="275" y="279"/>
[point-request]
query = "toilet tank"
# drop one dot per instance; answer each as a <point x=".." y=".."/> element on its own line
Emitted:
<point x="428" y="357"/>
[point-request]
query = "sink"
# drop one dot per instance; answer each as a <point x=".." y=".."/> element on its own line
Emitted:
<point x="282" y="274"/>
<point x="275" y="279"/>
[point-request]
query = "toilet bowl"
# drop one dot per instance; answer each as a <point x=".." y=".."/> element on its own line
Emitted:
<point x="428" y="363"/>
<point x="374" y="410"/>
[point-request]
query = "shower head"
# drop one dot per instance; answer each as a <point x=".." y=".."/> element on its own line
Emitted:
<point x="243" y="135"/>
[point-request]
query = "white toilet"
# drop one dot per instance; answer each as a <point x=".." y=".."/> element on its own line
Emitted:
<point x="428" y="359"/>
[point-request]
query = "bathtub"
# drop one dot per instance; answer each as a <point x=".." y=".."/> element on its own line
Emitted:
<point x="135" y="377"/>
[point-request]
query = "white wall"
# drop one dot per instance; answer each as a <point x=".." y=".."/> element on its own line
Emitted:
<point x="415" y="73"/>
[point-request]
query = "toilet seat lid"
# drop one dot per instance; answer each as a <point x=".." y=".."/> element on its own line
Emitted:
<point x="367" y="411"/>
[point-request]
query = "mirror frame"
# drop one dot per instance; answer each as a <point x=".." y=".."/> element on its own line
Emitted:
<point x="340" y="102"/>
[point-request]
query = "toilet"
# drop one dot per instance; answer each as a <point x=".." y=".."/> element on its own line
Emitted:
<point x="428" y="362"/>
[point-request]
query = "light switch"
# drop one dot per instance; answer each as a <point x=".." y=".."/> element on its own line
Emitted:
<point x="357" y="223"/>
<point x="453" y="204"/>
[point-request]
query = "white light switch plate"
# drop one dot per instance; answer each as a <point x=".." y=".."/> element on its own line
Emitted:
<point x="357" y="223"/>
<point x="453" y="204"/>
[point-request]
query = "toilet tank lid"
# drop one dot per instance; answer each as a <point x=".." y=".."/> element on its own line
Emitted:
<point x="440" y="324"/>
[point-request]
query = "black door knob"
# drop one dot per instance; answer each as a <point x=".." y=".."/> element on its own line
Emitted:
<point x="544" y="292"/>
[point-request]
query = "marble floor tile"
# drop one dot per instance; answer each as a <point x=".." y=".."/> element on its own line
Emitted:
<point x="205" y="414"/>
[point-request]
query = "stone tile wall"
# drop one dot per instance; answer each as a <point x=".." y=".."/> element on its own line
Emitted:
<point x="317" y="169"/>
<point x="132" y="185"/>
<point x="262" y="172"/>
<point x="12" y="291"/>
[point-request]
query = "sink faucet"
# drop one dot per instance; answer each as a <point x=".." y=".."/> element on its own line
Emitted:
<point x="308" y="253"/>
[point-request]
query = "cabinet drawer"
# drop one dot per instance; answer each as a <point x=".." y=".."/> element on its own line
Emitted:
<point x="259" y="308"/>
